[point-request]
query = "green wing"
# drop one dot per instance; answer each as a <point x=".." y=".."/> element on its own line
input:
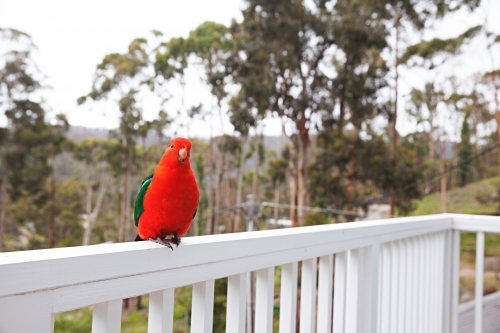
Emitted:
<point x="139" y="208"/>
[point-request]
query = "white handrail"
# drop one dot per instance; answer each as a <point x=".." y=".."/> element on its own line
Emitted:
<point x="390" y="273"/>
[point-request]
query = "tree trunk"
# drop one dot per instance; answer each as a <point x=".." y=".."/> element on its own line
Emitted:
<point x="302" y="164"/>
<point x="394" y="133"/>
<point x="52" y="195"/>
<point x="255" y="180"/>
<point x="230" y="215"/>
<point x="351" y="175"/>
<point x="92" y="214"/>
<point x="443" y="179"/>
<point x="497" y="118"/>
<point x="123" y="200"/>
<point x="293" y="178"/>
<point x="3" y="200"/>
<point x="128" y="213"/>
<point x="239" y="189"/>
<point x="276" y="201"/>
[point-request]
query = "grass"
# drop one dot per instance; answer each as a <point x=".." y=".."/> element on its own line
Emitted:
<point x="475" y="198"/>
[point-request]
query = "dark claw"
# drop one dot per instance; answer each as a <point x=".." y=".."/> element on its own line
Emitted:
<point x="176" y="240"/>
<point x="162" y="242"/>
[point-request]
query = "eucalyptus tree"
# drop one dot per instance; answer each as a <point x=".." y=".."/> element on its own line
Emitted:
<point x="97" y="178"/>
<point x="121" y="77"/>
<point x="284" y="45"/>
<point x="432" y="55"/>
<point x="24" y="140"/>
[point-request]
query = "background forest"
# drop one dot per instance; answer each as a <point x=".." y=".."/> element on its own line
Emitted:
<point x="327" y="72"/>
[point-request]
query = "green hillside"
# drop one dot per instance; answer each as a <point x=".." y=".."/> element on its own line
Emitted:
<point x="475" y="198"/>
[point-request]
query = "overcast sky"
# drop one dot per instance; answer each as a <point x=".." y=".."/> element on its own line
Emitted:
<point x="74" y="35"/>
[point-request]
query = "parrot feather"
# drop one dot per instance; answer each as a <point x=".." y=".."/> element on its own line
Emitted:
<point x="139" y="200"/>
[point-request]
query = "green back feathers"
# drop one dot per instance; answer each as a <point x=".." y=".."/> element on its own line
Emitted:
<point x="139" y="207"/>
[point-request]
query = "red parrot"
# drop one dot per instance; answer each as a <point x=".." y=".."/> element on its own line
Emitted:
<point x="168" y="199"/>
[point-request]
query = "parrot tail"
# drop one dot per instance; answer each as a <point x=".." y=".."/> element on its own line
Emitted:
<point x="138" y="238"/>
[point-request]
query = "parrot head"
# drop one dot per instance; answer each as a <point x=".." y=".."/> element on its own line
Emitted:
<point x="179" y="149"/>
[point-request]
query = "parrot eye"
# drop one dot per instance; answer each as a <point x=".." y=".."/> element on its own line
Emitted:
<point x="172" y="147"/>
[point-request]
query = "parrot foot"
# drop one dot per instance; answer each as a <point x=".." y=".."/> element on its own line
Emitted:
<point x="176" y="240"/>
<point x="162" y="242"/>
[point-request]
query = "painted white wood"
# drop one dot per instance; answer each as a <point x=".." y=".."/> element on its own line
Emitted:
<point x="455" y="280"/>
<point x="202" y="308"/>
<point x="340" y="292"/>
<point x="368" y="289"/>
<point x="447" y="260"/>
<point x="27" y="313"/>
<point x="308" y="295"/>
<point x="236" y="303"/>
<point x="72" y="278"/>
<point x="52" y="268"/>
<point x="372" y="283"/>
<point x="420" y="276"/>
<point x="426" y="279"/>
<point x="394" y="255"/>
<point x="264" y="297"/>
<point x="443" y="269"/>
<point x="107" y="317"/>
<point x="478" y="312"/>
<point x="385" y="297"/>
<point x="288" y="298"/>
<point x="161" y="311"/>
<point x="475" y="223"/>
<point x="352" y="301"/>
<point x="410" y="281"/>
<point x="325" y="296"/>
<point x="402" y="276"/>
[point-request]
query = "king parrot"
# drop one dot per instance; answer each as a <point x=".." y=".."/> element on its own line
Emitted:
<point x="168" y="199"/>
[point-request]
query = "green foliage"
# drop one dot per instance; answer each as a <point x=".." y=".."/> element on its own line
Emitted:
<point x="430" y="50"/>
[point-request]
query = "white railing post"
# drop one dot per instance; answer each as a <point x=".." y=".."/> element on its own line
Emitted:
<point x="107" y="317"/>
<point x="339" y="292"/>
<point x="385" y="290"/>
<point x="308" y="295"/>
<point x="161" y="311"/>
<point x="478" y="314"/>
<point x="27" y="313"/>
<point x="236" y="303"/>
<point x="264" y="296"/>
<point x="325" y="296"/>
<point x="369" y="289"/>
<point x="455" y="280"/>
<point x="352" y="293"/>
<point x="447" y="278"/>
<point x="288" y="298"/>
<point x="202" y="308"/>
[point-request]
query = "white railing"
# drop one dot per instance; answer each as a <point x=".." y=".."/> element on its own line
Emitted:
<point x="395" y="275"/>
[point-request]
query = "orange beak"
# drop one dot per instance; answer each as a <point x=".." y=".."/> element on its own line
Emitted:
<point x="183" y="153"/>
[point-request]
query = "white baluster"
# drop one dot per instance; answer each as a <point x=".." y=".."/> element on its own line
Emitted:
<point x="402" y="303"/>
<point x="325" y="296"/>
<point x="455" y="278"/>
<point x="308" y="296"/>
<point x="161" y="311"/>
<point x="264" y="296"/>
<point x="351" y="307"/>
<point x="107" y="317"/>
<point x="236" y="303"/>
<point x="339" y="292"/>
<point x="369" y="289"/>
<point x="478" y="314"/>
<point x="288" y="298"/>
<point x="202" y="308"/>
<point x="386" y="289"/>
